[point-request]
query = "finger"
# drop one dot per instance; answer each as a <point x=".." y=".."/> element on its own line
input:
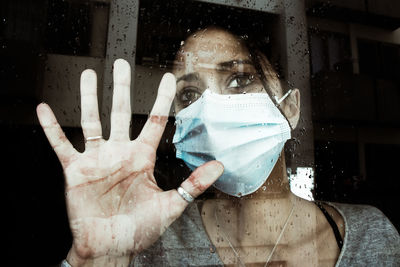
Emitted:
<point x="200" y="179"/>
<point x="153" y="129"/>
<point x="90" y="120"/>
<point x="54" y="134"/>
<point x="203" y="177"/>
<point x="121" y="105"/>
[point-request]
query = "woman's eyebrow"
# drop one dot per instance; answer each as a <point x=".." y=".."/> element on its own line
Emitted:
<point x="228" y="65"/>
<point x="190" y="77"/>
<point x="223" y="66"/>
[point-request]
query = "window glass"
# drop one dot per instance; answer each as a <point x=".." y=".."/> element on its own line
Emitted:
<point x="330" y="52"/>
<point x="328" y="71"/>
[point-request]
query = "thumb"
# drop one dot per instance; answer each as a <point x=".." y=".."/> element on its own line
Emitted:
<point x="202" y="178"/>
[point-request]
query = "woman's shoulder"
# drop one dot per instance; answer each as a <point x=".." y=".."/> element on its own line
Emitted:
<point x="370" y="237"/>
<point x="363" y="216"/>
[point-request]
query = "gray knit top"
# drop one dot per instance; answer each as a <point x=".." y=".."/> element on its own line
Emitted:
<point x="370" y="240"/>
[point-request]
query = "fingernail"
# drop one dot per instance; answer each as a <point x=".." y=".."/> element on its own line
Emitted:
<point x="219" y="168"/>
<point x="214" y="169"/>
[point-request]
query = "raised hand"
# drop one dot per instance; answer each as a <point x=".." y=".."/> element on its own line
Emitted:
<point x="115" y="207"/>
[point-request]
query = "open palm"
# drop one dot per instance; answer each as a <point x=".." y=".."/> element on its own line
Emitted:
<point x="115" y="207"/>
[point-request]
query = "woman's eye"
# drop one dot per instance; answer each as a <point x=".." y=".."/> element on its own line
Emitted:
<point x="241" y="81"/>
<point x="187" y="96"/>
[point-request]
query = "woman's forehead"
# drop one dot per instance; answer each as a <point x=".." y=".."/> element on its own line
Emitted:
<point x="210" y="48"/>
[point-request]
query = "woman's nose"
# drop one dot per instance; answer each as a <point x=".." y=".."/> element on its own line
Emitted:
<point x="214" y="85"/>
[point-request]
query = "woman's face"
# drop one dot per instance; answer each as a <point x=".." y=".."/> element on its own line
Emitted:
<point x="216" y="60"/>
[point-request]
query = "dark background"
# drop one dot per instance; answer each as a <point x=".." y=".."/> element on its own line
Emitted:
<point x="36" y="229"/>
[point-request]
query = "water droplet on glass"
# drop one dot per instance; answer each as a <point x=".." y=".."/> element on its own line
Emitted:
<point x="212" y="249"/>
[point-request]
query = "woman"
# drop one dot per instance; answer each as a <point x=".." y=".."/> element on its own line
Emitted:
<point x="117" y="212"/>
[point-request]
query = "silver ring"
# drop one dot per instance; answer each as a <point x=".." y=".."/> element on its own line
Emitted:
<point x="185" y="195"/>
<point x="92" y="138"/>
<point x="65" y="263"/>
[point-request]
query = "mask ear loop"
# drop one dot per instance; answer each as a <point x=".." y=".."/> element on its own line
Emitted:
<point x="277" y="101"/>
<point x="278" y="105"/>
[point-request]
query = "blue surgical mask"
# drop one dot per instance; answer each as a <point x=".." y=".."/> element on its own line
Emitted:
<point x="246" y="132"/>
